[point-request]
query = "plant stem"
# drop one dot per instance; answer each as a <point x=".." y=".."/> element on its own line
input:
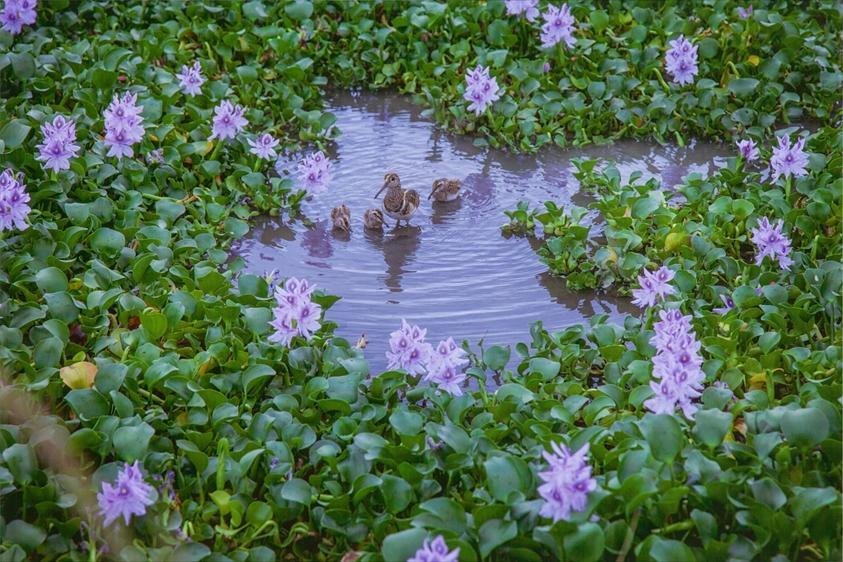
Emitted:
<point x="630" y="536"/>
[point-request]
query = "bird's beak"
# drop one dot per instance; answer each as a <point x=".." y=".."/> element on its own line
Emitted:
<point x="431" y="194"/>
<point x="380" y="190"/>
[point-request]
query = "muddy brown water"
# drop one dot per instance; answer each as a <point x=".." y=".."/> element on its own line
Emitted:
<point x="451" y="271"/>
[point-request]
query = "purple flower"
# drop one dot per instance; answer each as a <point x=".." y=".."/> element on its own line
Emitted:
<point x="445" y="367"/>
<point x="527" y="8"/>
<point x="558" y="26"/>
<point x="748" y="150"/>
<point x="654" y="286"/>
<point x="567" y="482"/>
<point x="789" y="160"/>
<point x="16" y="14"/>
<point x="166" y="484"/>
<point x="546" y="67"/>
<point x="681" y="61"/>
<point x="264" y="146"/>
<point x="745" y="13"/>
<point x="435" y="551"/>
<point x="296" y="314"/>
<point x="123" y="125"/>
<point x="155" y="157"/>
<point x="769" y="241"/>
<point x="481" y="90"/>
<point x="14" y="202"/>
<point x="728" y="304"/>
<point x="315" y="172"/>
<point x="228" y="121"/>
<point x="191" y="79"/>
<point x="129" y="496"/>
<point x="408" y="350"/>
<point x="677" y="365"/>
<point x="59" y="144"/>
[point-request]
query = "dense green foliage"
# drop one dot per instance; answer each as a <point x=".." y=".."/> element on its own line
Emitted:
<point x="302" y="453"/>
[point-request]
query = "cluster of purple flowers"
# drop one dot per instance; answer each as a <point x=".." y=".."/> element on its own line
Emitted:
<point x="528" y="8"/>
<point x="770" y="241"/>
<point x="59" y="144"/>
<point x="296" y="314"/>
<point x="129" y="496"/>
<point x="445" y="367"/>
<point x="677" y="365"/>
<point x="191" y="79"/>
<point x="228" y="121"/>
<point x="442" y="365"/>
<point x="16" y="14"/>
<point x="14" y="202"/>
<point x="264" y="146"/>
<point x="748" y="150"/>
<point x="123" y="125"/>
<point x="789" y="159"/>
<point x="745" y="13"/>
<point x="681" y="61"/>
<point x="435" y="551"/>
<point x="315" y="172"/>
<point x="567" y="482"/>
<point x="558" y="26"/>
<point x="728" y="304"/>
<point x="481" y="89"/>
<point x="654" y="287"/>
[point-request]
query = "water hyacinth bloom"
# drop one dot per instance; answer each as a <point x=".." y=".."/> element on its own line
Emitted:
<point x="123" y="125"/>
<point x="481" y="89"/>
<point x="59" y="144"/>
<point x="14" y="202"/>
<point x="748" y="150"/>
<point x="728" y="304"/>
<point x="264" y="146"/>
<point x="745" y="13"/>
<point x="567" y="482"/>
<point x="191" y="79"/>
<point x="129" y="496"/>
<point x="681" y="61"/>
<point x="677" y="365"/>
<point x="315" y="172"/>
<point x="789" y="159"/>
<point x="527" y="8"/>
<point x="18" y="13"/>
<point x="435" y="551"/>
<point x="296" y="314"/>
<point x="558" y="26"/>
<point x="445" y="367"/>
<point x="408" y="350"/>
<point x="769" y="241"/>
<point x="654" y="286"/>
<point x="228" y="121"/>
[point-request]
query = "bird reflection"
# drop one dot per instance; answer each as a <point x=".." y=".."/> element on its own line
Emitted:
<point x="272" y="232"/>
<point x="444" y="212"/>
<point x="399" y="247"/>
<point x="317" y="240"/>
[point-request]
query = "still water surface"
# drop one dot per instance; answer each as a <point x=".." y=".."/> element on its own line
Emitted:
<point x="451" y="271"/>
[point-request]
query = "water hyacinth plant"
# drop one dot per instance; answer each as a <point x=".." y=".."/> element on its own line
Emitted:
<point x="134" y="344"/>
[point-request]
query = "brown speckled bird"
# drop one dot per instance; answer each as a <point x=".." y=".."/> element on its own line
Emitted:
<point x="445" y="190"/>
<point x="341" y="218"/>
<point x="398" y="203"/>
<point x="373" y="219"/>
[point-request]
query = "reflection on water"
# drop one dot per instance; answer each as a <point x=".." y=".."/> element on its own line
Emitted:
<point x="451" y="270"/>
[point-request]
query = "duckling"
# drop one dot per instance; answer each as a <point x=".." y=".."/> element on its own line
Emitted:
<point x="398" y="203"/>
<point x="341" y="218"/>
<point x="445" y="190"/>
<point x="373" y="219"/>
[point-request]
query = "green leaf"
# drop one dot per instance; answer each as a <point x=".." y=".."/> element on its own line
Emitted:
<point x="406" y="422"/>
<point x="804" y="427"/>
<point x="768" y="341"/>
<point x="494" y="533"/>
<point x="663" y="434"/>
<point x="297" y="490"/>
<point x="599" y="20"/>
<point x="506" y="474"/>
<point x="87" y="403"/>
<point x="586" y="544"/>
<point x="403" y="544"/>
<point x="20" y="460"/>
<point x="14" y="133"/>
<point x="547" y="368"/>
<point x="743" y="86"/>
<point x="51" y="280"/>
<point x="667" y="550"/>
<point x="108" y="242"/>
<point x="496" y="357"/>
<point x="711" y="427"/>
<point x="154" y="324"/>
<point x="299" y="9"/>
<point x="104" y="79"/>
<point x="23" y="534"/>
<point x="397" y="493"/>
<point x="132" y="442"/>
<point x="768" y="492"/>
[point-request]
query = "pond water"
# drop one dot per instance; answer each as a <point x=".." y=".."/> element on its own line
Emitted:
<point x="451" y="271"/>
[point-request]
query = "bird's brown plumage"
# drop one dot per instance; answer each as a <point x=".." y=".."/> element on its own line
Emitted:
<point x="398" y="203"/>
<point x="341" y="218"/>
<point x="373" y="219"/>
<point x="445" y="190"/>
